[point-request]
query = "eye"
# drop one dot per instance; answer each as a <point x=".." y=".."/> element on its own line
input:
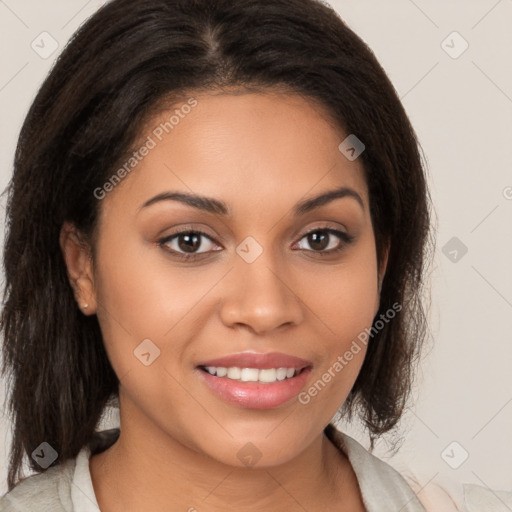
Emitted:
<point x="321" y="240"/>
<point x="184" y="244"/>
<point x="188" y="241"/>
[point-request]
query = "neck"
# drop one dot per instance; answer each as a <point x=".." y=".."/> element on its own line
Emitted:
<point x="147" y="469"/>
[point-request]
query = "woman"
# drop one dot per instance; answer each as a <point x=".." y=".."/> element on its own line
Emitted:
<point x="219" y="220"/>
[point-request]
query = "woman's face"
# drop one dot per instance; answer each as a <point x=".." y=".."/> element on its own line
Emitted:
<point x="258" y="283"/>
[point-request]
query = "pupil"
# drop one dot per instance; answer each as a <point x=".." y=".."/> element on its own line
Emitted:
<point x="191" y="239"/>
<point x="316" y="238"/>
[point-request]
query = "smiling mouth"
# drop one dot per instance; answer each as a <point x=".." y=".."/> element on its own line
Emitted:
<point x="255" y="388"/>
<point x="260" y="375"/>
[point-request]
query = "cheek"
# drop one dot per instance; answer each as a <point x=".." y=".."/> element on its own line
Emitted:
<point x="140" y="297"/>
<point x="351" y="302"/>
<point x="345" y="296"/>
<point x="345" y="300"/>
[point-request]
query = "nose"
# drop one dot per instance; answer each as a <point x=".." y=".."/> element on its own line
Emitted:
<point x="261" y="296"/>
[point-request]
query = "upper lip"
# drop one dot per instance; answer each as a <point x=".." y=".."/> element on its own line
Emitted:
<point x="258" y="360"/>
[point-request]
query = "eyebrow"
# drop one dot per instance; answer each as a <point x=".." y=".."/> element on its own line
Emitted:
<point x="216" y="207"/>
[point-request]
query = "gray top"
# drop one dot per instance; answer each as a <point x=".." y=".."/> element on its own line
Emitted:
<point x="68" y="486"/>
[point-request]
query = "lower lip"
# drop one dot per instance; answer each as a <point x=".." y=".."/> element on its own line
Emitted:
<point x="256" y="395"/>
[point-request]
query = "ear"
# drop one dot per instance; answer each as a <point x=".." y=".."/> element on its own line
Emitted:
<point x="384" y="264"/>
<point x="381" y="271"/>
<point x="78" y="259"/>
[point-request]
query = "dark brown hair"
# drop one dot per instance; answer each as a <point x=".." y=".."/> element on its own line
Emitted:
<point x="131" y="58"/>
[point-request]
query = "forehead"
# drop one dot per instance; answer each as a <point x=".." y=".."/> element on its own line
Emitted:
<point x="242" y="149"/>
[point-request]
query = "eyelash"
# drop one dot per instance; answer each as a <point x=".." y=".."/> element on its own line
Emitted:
<point x="345" y="237"/>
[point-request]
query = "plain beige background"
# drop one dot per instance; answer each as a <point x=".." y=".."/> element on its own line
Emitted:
<point x="460" y="103"/>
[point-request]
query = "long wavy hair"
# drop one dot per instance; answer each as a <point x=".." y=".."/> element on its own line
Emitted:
<point x="127" y="63"/>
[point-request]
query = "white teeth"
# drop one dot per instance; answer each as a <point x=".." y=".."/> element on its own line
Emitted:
<point x="281" y="374"/>
<point x="233" y="373"/>
<point x="221" y="372"/>
<point x="268" y="375"/>
<point x="249" y="375"/>
<point x="253" y="374"/>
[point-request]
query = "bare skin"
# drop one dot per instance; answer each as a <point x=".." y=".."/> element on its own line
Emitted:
<point x="260" y="154"/>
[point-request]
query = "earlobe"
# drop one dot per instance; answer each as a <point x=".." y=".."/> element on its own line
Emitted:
<point x="77" y="257"/>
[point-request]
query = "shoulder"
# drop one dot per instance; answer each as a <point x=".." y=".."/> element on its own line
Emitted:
<point x="381" y="485"/>
<point x="49" y="491"/>
<point x="478" y="498"/>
